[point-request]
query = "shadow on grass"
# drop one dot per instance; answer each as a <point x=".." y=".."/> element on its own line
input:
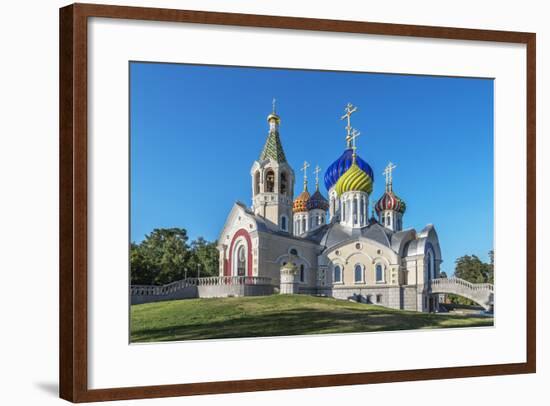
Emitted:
<point x="308" y="321"/>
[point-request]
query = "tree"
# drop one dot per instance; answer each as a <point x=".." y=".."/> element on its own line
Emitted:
<point x="161" y="257"/>
<point x="141" y="270"/>
<point x="204" y="254"/>
<point x="474" y="270"/>
<point x="164" y="256"/>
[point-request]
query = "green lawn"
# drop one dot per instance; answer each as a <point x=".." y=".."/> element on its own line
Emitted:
<point x="277" y="315"/>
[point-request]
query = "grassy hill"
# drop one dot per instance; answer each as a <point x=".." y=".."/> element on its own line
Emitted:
<point x="277" y="315"/>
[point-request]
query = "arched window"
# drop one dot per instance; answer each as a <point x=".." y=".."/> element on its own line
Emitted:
<point x="388" y="219"/>
<point x="430" y="259"/>
<point x="302" y="273"/>
<point x="270" y="181"/>
<point x="283" y="223"/>
<point x="379" y="273"/>
<point x="358" y="273"/>
<point x="257" y="182"/>
<point x="337" y="274"/>
<point x="241" y="261"/>
<point x="304" y="225"/>
<point x="283" y="184"/>
<point x="354" y="202"/>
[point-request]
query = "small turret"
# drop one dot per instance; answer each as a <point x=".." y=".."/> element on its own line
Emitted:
<point x="390" y="207"/>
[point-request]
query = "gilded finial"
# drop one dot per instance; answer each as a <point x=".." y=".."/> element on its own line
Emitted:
<point x="388" y="173"/>
<point x="349" y="109"/>
<point x="353" y="136"/>
<point x="316" y="171"/>
<point x="304" y="168"/>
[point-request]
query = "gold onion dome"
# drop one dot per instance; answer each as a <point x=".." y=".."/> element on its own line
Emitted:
<point x="354" y="180"/>
<point x="300" y="203"/>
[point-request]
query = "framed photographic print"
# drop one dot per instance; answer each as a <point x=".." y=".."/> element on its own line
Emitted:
<point x="255" y="202"/>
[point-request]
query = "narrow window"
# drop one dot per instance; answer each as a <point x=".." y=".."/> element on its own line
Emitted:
<point x="358" y="272"/>
<point x="378" y="298"/>
<point x="283" y="223"/>
<point x="241" y="261"/>
<point x="337" y="274"/>
<point x="379" y="273"/>
<point x="302" y="273"/>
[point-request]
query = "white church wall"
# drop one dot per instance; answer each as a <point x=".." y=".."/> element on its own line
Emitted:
<point x="368" y="254"/>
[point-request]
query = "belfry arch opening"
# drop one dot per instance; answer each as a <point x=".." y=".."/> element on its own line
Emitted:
<point x="270" y="181"/>
<point x="283" y="184"/>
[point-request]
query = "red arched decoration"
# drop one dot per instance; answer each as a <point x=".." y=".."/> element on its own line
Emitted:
<point x="240" y="233"/>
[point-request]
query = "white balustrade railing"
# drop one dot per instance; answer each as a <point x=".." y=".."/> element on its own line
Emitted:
<point x="449" y="282"/>
<point x="152" y="290"/>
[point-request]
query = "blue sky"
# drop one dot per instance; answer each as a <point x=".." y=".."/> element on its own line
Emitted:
<point x="196" y="130"/>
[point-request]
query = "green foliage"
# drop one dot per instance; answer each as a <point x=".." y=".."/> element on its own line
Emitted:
<point x="164" y="256"/>
<point x="473" y="269"/>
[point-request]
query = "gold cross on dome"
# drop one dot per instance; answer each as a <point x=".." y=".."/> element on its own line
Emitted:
<point x="388" y="173"/>
<point x="316" y="171"/>
<point x="304" y="168"/>
<point x="349" y="109"/>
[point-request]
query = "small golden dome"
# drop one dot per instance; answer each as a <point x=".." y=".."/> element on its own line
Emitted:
<point x="300" y="203"/>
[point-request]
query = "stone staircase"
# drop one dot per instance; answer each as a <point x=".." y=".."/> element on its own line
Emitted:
<point x="481" y="293"/>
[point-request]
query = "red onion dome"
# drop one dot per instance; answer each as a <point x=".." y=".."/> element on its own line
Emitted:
<point x="390" y="201"/>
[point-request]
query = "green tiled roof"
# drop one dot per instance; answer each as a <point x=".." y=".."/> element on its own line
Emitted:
<point x="273" y="149"/>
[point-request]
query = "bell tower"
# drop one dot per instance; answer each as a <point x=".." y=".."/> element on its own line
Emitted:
<point x="273" y="180"/>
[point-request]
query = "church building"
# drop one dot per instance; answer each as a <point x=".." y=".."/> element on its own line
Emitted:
<point x="329" y="245"/>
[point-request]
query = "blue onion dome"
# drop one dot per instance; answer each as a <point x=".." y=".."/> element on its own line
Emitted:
<point x="317" y="201"/>
<point x="341" y="165"/>
<point x="300" y="203"/>
<point x="354" y="180"/>
<point x="390" y="201"/>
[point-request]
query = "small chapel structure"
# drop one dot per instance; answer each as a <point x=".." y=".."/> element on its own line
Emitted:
<point x="330" y="245"/>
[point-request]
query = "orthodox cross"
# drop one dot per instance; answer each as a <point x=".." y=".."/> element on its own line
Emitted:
<point x="316" y="171"/>
<point x="304" y="168"/>
<point x="273" y="104"/>
<point x="350" y="109"/>
<point x="388" y="173"/>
